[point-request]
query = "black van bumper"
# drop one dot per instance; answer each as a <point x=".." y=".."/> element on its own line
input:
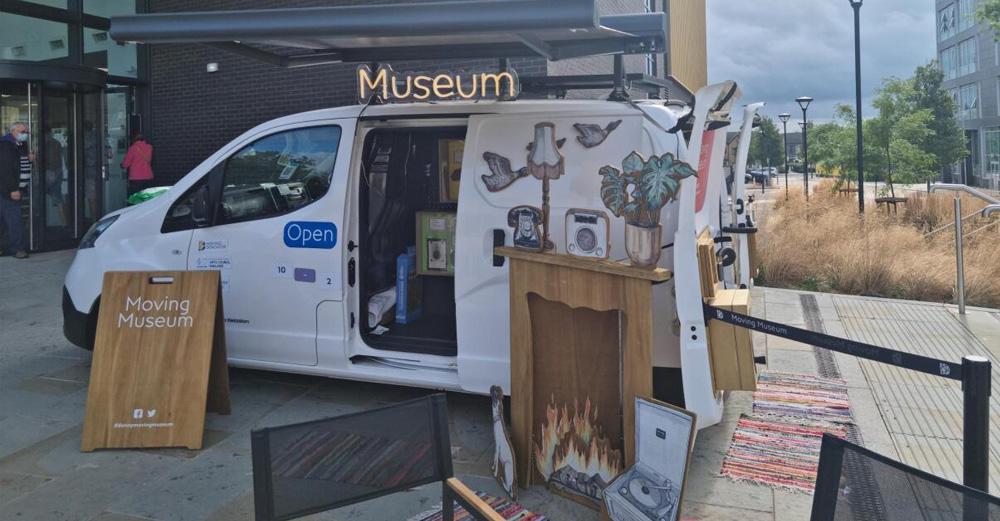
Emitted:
<point x="76" y="324"/>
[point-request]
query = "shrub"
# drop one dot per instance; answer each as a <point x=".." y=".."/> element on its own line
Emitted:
<point x="826" y="246"/>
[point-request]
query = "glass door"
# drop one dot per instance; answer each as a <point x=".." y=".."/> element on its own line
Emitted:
<point x="19" y="103"/>
<point x="117" y="102"/>
<point x="57" y="164"/>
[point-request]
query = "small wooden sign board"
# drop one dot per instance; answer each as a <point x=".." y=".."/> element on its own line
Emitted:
<point x="159" y="361"/>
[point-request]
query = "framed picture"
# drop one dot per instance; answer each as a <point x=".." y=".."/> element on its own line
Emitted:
<point x="653" y="488"/>
<point x="449" y="169"/>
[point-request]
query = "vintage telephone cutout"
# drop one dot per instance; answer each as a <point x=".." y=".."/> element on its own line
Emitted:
<point x="526" y="222"/>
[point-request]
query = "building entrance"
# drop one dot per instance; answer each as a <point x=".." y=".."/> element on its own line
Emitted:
<point x="78" y="140"/>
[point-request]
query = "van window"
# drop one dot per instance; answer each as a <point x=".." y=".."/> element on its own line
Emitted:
<point x="278" y="174"/>
<point x="181" y="214"/>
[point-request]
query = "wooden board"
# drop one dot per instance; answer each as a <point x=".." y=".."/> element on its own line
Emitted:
<point x="708" y="268"/>
<point x="730" y="347"/>
<point x="159" y="361"/>
<point x="688" y="43"/>
<point x="587" y="263"/>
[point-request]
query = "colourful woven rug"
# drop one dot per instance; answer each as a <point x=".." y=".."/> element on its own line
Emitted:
<point x="508" y="509"/>
<point x="801" y="395"/>
<point x="778" y="445"/>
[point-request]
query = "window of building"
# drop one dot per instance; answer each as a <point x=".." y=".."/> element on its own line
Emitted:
<point x="100" y="51"/>
<point x="946" y="23"/>
<point x="949" y="63"/>
<point x="968" y="102"/>
<point x="967" y="57"/>
<point x="992" y="145"/>
<point x="278" y="174"/>
<point x="650" y="57"/>
<point x="61" y="4"/>
<point x="966" y="14"/>
<point x="32" y="39"/>
<point x="108" y="8"/>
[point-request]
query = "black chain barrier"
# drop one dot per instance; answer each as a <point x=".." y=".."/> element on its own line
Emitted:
<point x="920" y="363"/>
<point x="973" y="372"/>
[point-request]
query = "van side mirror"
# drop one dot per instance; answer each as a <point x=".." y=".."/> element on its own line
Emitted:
<point x="200" y="204"/>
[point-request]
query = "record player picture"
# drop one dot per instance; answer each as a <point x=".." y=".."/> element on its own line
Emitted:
<point x="651" y="490"/>
<point x="654" y="499"/>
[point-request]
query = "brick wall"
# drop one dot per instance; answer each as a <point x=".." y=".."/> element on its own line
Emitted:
<point x="194" y="112"/>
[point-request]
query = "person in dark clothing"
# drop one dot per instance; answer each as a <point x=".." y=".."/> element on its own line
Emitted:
<point x="10" y="189"/>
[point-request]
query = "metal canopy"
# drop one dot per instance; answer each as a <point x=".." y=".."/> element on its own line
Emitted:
<point x="382" y="33"/>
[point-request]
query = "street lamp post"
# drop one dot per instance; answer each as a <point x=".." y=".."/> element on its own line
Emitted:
<point x="856" y="4"/>
<point x="804" y="102"/>
<point x="784" y="117"/>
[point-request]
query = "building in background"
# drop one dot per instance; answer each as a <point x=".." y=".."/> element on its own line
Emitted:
<point x="968" y="56"/>
<point x="194" y="112"/>
<point x="86" y="95"/>
<point x="79" y="91"/>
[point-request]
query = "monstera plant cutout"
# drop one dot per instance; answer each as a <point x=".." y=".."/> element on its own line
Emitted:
<point x="638" y="192"/>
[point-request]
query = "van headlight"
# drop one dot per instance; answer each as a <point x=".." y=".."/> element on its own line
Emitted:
<point x="96" y="230"/>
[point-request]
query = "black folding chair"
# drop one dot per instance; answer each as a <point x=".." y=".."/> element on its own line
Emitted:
<point x="856" y="484"/>
<point x="310" y="467"/>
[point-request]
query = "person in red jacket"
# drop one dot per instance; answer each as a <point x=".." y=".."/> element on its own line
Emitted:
<point x="138" y="161"/>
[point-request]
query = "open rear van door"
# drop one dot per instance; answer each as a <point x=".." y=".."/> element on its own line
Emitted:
<point x="481" y="286"/>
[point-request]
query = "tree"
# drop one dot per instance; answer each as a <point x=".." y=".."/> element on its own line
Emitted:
<point x="989" y="12"/>
<point x="947" y="140"/>
<point x="766" y="145"/>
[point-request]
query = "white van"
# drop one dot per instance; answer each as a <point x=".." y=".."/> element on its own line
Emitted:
<point x="305" y="218"/>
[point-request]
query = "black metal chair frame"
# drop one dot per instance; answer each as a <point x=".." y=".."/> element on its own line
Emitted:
<point x="831" y="461"/>
<point x="453" y="490"/>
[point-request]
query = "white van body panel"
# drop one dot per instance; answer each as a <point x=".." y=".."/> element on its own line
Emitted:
<point x="311" y="330"/>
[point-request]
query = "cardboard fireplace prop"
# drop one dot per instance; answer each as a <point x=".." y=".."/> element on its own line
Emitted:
<point x="581" y="341"/>
<point x="652" y="489"/>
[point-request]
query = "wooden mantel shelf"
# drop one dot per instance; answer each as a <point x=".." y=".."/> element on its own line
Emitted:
<point x="655" y="275"/>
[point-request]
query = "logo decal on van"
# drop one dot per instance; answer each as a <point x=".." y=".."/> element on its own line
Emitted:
<point x="305" y="234"/>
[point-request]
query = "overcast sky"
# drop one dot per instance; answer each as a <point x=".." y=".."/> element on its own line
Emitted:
<point x="777" y="50"/>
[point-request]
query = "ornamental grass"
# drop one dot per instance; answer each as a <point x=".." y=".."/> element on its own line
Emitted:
<point x="825" y="246"/>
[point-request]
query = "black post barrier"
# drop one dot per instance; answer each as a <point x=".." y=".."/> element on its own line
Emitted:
<point x="976" y="422"/>
<point x="974" y="373"/>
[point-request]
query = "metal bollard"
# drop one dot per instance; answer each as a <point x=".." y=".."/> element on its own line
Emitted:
<point x="959" y="257"/>
<point x="976" y="432"/>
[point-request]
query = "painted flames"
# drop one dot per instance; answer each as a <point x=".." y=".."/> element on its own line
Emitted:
<point x="575" y="441"/>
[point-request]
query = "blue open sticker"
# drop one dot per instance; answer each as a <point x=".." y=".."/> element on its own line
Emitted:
<point x="308" y="234"/>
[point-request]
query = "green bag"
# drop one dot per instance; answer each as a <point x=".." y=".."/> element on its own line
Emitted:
<point x="144" y="195"/>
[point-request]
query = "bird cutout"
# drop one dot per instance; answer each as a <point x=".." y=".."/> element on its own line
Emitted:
<point x="503" y="450"/>
<point x="592" y="135"/>
<point x="501" y="174"/>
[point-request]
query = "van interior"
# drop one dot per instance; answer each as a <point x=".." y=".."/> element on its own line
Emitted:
<point x="408" y="201"/>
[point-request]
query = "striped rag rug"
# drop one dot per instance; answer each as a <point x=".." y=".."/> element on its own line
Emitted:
<point x="779" y="443"/>
<point x="509" y="510"/>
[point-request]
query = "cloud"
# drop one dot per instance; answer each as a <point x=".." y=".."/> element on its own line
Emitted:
<point x="777" y="50"/>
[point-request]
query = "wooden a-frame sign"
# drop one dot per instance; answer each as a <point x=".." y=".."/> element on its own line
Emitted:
<point x="159" y="361"/>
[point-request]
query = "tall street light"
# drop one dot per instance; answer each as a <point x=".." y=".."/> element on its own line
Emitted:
<point x="784" y="117"/>
<point x="856" y="4"/>
<point x="804" y="102"/>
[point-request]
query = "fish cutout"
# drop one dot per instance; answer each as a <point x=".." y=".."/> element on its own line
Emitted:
<point x="592" y="135"/>
<point x="501" y="174"/>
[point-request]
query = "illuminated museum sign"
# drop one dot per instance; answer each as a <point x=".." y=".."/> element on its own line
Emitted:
<point x="392" y="86"/>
